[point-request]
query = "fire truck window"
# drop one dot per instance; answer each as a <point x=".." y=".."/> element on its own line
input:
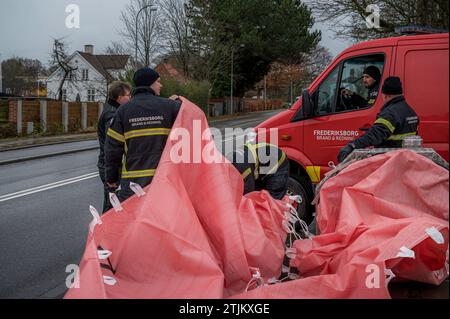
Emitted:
<point x="325" y="95"/>
<point x="354" y="93"/>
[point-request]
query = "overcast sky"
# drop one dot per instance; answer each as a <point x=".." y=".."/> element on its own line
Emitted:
<point x="28" y="26"/>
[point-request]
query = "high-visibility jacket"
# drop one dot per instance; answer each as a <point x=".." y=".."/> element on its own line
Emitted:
<point x="137" y="136"/>
<point x="396" y="121"/>
<point x="260" y="162"/>
<point x="109" y="112"/>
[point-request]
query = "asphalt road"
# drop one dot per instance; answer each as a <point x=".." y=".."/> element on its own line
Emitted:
<point x="44" y="213"/>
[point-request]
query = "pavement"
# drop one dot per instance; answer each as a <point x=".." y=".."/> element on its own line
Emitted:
<point x="45" y="193"/>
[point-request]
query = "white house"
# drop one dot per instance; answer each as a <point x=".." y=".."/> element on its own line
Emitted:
<point x="89" y="83"/>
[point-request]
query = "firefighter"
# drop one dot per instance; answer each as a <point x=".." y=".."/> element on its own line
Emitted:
<point x="263" y="166"/>
<point x="138" y="134"/>
<point x="395" y="121"/>
<point x="371" y="80"/>
<point x="119" y="93"/>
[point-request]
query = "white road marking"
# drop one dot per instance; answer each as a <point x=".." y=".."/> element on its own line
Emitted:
<point x="42" y="188"/>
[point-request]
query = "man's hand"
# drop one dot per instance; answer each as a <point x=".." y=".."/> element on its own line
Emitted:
<point x="112" y="187"/>
<point x="345" y="151"/>
<point x="347" y="93"/>
<point x="174" y="97"/>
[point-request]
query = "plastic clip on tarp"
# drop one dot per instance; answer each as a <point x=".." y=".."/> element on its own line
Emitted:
<point x="137" y="189"/>
<point x="96" y="218"/>
<point x="115" y="202"/>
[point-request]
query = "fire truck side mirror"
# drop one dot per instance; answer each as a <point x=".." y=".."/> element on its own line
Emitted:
<point x="308" y="109"/>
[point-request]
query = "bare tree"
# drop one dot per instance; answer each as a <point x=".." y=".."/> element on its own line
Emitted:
<point x="348" y="17"/>
<point x="60" y="59"/>
<point x="177" y="31"/>
<point x="314" y="63"/>
<point x="118" y="48"/>
<point x="317" y="61"/>
<point x="148" y="30"/>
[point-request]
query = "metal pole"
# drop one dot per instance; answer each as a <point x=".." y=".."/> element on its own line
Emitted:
<point x="265" y="92"/>
<point x="231" y="93"/>
<point x="151" y="28"/>
<point x="136" y="34"/>
<point x="292" y="97"/>
<point x="1" y="76"/>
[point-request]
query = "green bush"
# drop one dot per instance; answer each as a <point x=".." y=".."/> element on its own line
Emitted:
<point x="55" y="129"/>
<point x="197" y="92"/>
<point x="7" y="130"/>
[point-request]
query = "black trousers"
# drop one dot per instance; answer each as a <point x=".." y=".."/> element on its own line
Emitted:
<point x="106" y="202"/>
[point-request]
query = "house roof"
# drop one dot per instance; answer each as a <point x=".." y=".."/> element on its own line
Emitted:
<point x="104" y="63"/>
<point x="168" y="70"/>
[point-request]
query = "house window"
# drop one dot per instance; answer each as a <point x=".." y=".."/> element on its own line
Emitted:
<point x="91" y="95"/>
<point x="85" y="75"/>
<point x="64" y="94"/>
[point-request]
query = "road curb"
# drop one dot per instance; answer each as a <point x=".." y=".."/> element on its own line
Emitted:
<point x="31" y="158"/>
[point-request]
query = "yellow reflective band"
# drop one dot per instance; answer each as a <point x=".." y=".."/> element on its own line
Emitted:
<point x="252" y="149"/>
<point x="385" y="123"/>
<point x="314" y="173"/>
<point x="275" y="168"/>
<point x="115" y="135"/>
<point x="147" y="132"/>
<point x="400" y="137"/>
<point x="246" y="173"/>
<point x="137" y="174"/>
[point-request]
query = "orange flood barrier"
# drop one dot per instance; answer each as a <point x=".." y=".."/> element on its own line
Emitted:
<point x="193" y="234"/>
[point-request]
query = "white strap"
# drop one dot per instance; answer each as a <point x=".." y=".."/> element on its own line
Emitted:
<point x="110" y="281"/>
<point x="104" y="254"/>
<point x="389" y="276"/>
<point x="405" y="252"/>
<point x="115" y="202"/>
<point x="137" y="189"/>
<point x="435" y="235"/>
<point x="96" y="218"/>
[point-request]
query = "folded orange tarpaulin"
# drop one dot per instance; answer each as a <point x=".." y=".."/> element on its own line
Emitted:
<point x="193" y="235"/>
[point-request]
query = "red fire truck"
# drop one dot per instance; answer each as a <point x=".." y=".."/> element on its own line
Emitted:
<point x="322" y="121"/>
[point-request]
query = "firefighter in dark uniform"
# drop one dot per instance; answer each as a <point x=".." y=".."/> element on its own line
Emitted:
<point x="119" y="93"/>
<point x="396" y="121"/>
<point x="371" y="80"/>
<point x="138" y="134"/>
<point x="263" y="167"/>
